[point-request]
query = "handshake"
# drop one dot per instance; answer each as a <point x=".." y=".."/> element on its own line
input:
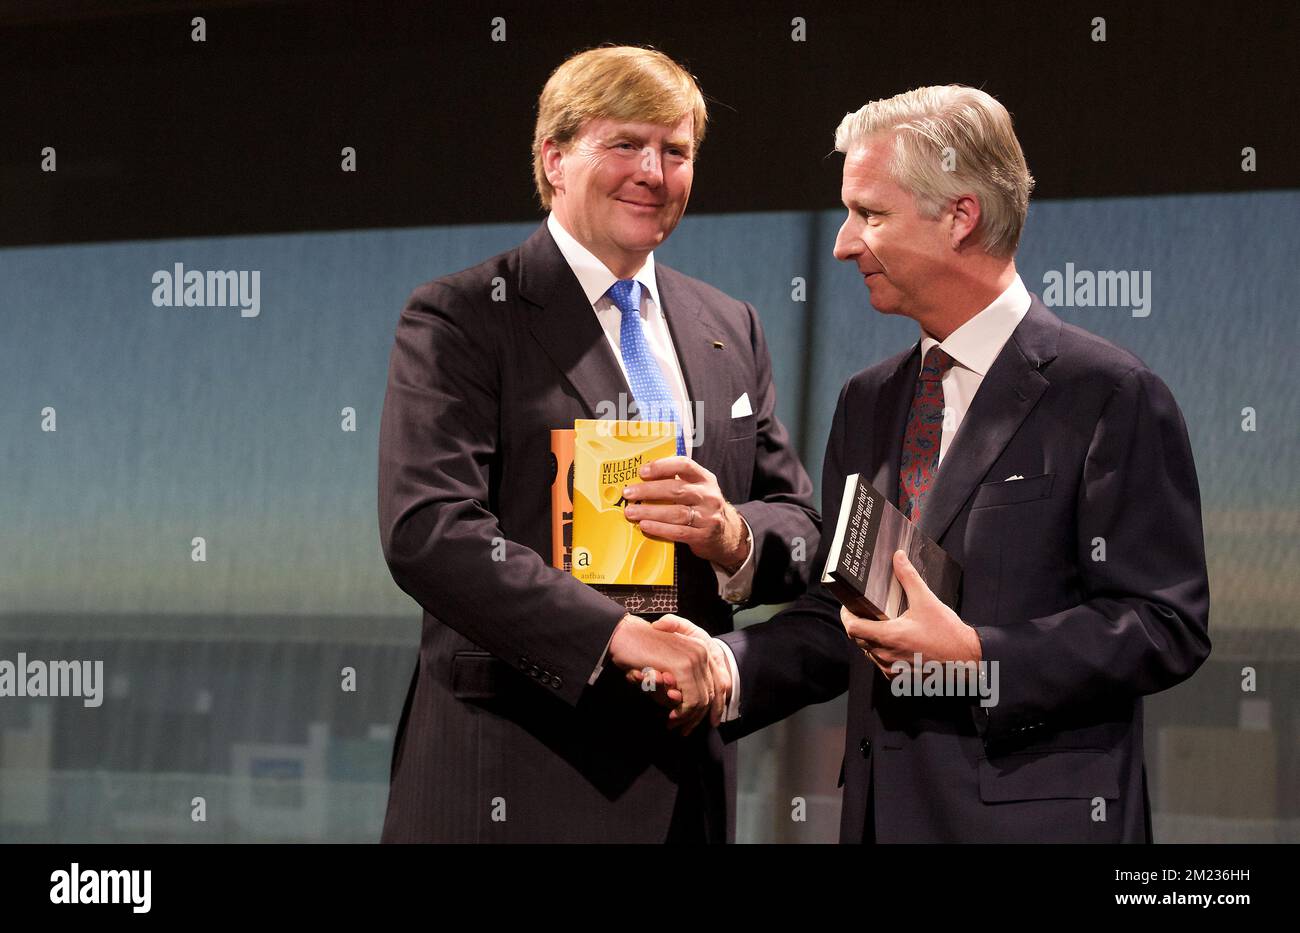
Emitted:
<point x="682" y="666"/>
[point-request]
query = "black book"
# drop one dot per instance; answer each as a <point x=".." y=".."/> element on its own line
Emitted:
<point x="860" y="565"/>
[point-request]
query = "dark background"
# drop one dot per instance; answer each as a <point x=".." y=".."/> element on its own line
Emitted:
<point x="159" y="136"/>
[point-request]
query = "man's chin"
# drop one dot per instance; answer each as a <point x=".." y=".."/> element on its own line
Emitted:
<point x="882" y="306"/>
<point x="885" y="300"/>
<point x="646" y="242"/>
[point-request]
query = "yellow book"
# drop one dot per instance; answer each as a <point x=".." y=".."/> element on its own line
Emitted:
<point x="607" y="548"/>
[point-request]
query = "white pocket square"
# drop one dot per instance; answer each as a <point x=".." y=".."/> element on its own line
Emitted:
<point x="1010" y="478"/>
<point x="741" y="407"/>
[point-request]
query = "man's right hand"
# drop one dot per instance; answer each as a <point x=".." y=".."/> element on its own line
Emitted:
<point x="717" y="661"/>
<point x="636" y="645"/>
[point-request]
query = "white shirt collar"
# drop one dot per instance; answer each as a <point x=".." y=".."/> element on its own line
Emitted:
<point x="977" y="343"/>
<point x="593" y="275"/>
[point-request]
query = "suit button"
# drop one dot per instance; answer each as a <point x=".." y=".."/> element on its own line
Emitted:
<point x="556" y="682"/>
<point x="534" y="671"/>
<point x="523" y="663"/>
<point x="865" y="747"/>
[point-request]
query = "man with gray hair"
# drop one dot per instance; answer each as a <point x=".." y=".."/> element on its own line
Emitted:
<point x="1052" y="465"/>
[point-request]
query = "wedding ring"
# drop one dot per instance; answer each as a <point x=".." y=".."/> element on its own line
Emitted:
<point x="690" y="522"/>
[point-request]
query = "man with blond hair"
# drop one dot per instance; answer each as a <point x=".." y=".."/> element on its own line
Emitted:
<point x="1053" y="466"/>
<point x="520" y="724"/>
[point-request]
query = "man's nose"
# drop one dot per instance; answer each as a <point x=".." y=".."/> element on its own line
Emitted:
<point x="847" y="243"/>
<point x="652" y="170"/>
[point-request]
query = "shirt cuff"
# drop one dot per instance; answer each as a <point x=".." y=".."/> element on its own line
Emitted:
<point x="733" y="702"/>
<point x="736" y="587"/>
<point x="600" y="665"/>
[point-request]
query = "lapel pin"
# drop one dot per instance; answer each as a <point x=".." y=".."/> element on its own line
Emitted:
<point x="719" y="345"/>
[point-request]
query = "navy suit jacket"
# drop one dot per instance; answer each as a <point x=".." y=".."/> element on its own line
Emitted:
<point x="1085" y="581"/>
<point x="501" y="738"/>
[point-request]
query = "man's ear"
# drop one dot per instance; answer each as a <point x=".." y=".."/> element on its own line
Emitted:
<point x="553" y="163"/>
<point x="965" y="219"/>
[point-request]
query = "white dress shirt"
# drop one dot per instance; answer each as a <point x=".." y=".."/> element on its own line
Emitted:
<point x="595" y="279"/>
<point x="973" y="346"/>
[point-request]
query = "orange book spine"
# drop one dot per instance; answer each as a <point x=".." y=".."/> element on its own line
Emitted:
<point x="561" y="498"/>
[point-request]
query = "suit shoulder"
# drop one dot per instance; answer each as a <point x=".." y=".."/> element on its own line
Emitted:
<point x="1084" y="355"/>
<point x="869" y="379"/>
<point x="466" y="290"/>
<point x="1098" y="376"/>
<point x="732" y="310"/>
<point x="858" y="395"/>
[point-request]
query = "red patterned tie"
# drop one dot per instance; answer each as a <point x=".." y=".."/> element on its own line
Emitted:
<point x="920" y="459"/>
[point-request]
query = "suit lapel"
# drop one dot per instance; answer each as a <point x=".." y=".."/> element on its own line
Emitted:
<point x="703" y="364"/>
<point x="564" y="324"/>
<point x="1005" y="398"/>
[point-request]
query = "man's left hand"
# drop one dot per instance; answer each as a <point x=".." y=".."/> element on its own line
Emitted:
<point x="928" y="628"/>
<point x="688" y="507"/>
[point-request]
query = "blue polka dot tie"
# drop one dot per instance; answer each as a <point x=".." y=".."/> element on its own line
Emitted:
<point x="654" y="400"/>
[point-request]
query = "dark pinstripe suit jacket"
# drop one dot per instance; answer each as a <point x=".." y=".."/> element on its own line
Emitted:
<point x="499" y="720"/>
